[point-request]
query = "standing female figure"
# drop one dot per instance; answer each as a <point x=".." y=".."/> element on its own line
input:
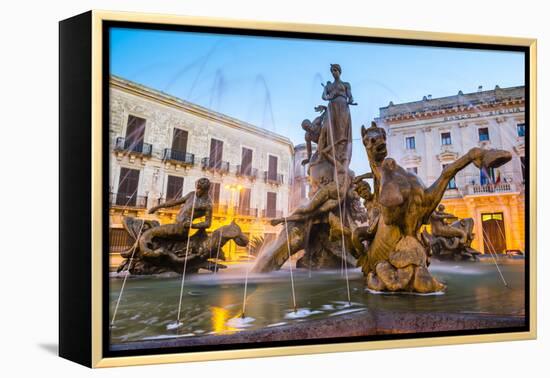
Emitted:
<point x="338" y="119"/>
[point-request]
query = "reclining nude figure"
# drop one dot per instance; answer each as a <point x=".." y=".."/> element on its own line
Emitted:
<point x="326" y="198"/>
<point x="195" y="204"/>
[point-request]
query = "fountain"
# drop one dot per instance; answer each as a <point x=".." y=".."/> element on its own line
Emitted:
<point x="382" y="237"/>
<point x="389" y="249"/>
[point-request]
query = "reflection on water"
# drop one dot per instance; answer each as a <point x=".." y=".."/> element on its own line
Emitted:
<point x="220" y="317"/>
<point x="212" y="304"/>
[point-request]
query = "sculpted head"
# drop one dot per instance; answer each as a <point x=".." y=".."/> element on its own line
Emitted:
<point x="306" y="124"/>
<point x="441" y="207"/>
<point x="336" y="71"/>
<point x="374" y="140"/>
<point x="233" y="231"/>
<point x="202" y="186"/>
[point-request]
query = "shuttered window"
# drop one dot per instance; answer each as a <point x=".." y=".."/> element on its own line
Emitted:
<point x="216" y="153"/>
<point x="179" y="141"/>
<point x="246" y="161"/>
<point x="272" y="168"/>
<point x="174" y="188"/>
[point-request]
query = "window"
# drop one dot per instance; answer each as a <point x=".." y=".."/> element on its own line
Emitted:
<point x="452" y="182"/>
<point x="272" y="168"/>
<point x="179" y="141"/>
<point x="446" y="139"/>
<point x="244" y="200"/>
<point x="413" y="170"/>
<point x="483" y="134"/>
<point x="135" y="133"/>
<point x="271" y="207"/>
<point x="215" y="192"/>
<point x="216" y="153"/>
<point x="486" y="176"/>
<point x="410" y="143"/>
<point x="174" y="188"/>
<point x="127" y="187"/>
<point x="246" y="161"/>
<point x="521" y="129"/>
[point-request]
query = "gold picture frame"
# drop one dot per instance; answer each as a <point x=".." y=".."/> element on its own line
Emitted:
<point x="94" y="22"/>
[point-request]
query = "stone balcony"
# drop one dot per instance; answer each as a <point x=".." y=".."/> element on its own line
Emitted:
<point x="218" y="166"/>
<point x="489" y="189"/>
<point x="248" y="172"/>
<point x="273" y="178"/>
<point x="178" y="158"/>
<point x="127" y="200"/>
<point x="132" y="149"/>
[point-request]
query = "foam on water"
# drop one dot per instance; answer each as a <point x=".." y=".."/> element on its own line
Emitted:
<point x="240" y="322"/>
<point x="301" y="313"/>
<point x="174" y="325"/>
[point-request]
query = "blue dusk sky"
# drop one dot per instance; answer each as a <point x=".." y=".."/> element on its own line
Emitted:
<point x="275" y="83"/>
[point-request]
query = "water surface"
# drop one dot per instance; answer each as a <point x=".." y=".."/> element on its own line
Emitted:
<point x="212" y="303"/>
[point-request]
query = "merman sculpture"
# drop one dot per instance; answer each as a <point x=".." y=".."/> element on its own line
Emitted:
<point x="161" y="248"/>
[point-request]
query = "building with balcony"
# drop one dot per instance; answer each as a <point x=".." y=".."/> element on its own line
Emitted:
<point x="160" y="145"/>
<point x="424" y="136"/>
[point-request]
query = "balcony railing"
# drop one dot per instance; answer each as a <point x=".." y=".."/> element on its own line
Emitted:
<point x="273" y="178"/>
<point x="246" y="211"/>
<point x="272" y="213"/>
<point x="251" y="173"/>
<point x="491" y="188"/>
<point x="215" y="165"/>
<point x="130" y="146"/>
<point x="181" y="157"/>
<point x="127" y="200"/>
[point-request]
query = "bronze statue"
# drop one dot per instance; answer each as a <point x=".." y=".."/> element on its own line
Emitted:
<point x="450" y="241"/>
<point x="163" y="248"/>
<point x="440" y="227"/>
<point x="397" y="259"/>
<point x="314" y="133"/>
<point x="203" y="248"/>
<point x="324" y="200"/>
<point x="196" y="204"/>
<point x="387" y="245"/>
<point x="319" y="225"/>
<point x="338" y="119"/>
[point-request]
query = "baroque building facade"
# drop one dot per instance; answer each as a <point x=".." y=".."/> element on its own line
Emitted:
<point x="161" y="145"/>
<point x="424" y="136"/>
